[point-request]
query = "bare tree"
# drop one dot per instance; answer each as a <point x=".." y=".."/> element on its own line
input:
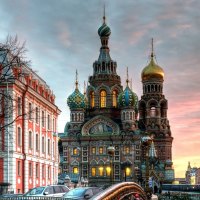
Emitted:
<point x="12" y="68"/>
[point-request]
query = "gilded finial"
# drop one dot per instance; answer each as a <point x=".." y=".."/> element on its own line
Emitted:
<point x="131" y="82"/>
<point x="127" y="80"/>
<point x="152" y="50"/>
<point x="104" y="14"/>
<point x="76" y="83"/>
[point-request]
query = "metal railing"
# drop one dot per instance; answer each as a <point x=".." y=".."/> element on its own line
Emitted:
<point x="179" y="196"/>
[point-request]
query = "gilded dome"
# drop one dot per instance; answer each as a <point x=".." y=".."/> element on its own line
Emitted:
<point x="152" y="70"/>
<point x="128" y="98"/>
<point x="76" y="100"/>
<point x="104" y="30"/>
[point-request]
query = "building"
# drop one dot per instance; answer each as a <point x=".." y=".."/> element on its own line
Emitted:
<point x="28" y="150"/>
<point x="102" y="141"/>
<point x="192" y="175"/>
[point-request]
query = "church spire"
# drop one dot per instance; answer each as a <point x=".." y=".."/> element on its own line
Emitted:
<point x="104" y="14"/>
<point x="127" y="77"/>
<point x="152" y="48"/>
<point x="76" y="82"/>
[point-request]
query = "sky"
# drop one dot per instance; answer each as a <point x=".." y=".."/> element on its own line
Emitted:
<point x="61" y="36"/>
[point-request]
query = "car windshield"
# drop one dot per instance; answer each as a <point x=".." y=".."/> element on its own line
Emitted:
<point x="35" y="191"/>
<point x="79" y="192"/>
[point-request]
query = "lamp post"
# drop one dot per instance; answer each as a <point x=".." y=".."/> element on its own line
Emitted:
<point x="111" y="151"/>
<point x="146" y="141"/>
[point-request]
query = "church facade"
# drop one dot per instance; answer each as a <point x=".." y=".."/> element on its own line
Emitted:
<point x="103" y="141"/>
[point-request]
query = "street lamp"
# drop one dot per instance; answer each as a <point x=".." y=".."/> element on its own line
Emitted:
<point x="146" y="141"/>
<point x="111" y="151"/>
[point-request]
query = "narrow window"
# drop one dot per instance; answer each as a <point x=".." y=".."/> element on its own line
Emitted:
<point x="19" y="137"/>
<point x="36" y="115"/>
<point x="43" y="119"/>
<point x="153" y="112"/>
<point x="43" y="171"/>
<point x="19" y="110"/>
<point x="127" y="150"/>
<point x="75" y="151"/>
<point x="114" y="98"/>
<point x="30" y="111"/>
<point x="48" y="122"/>
<point x="53" y="148"/>
<point x="93" y="150"/>
<point x="30" y="140"/>
<point x="92" y="99"/>
<point x="100" y="171"/>
<point x="100" y="150"/>
<point x="43" y="145"/>
<point x="49" y="146"/>
<point x="49" y="172"/>
<point x="18" y="168"/>
<point x="30" y="169"/>
<point x="37" y="170"/>
<point x="75" y="170"/>
<point x="103" y="99"/>
<point x="37" y="142"/>
<point x="93" y="171"/>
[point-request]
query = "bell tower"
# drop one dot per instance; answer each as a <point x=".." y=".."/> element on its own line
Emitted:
<point x="153" y="110"/>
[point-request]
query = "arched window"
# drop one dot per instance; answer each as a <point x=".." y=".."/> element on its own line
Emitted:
<point x="92" y="99"/>
<point x="103" y="99"/>
<point x="101" y="171"/>
<point x="153" y="112"/>
<point x="93" y="171"/>
<point x="114" y="98"/>
<point x="75" y="170"/>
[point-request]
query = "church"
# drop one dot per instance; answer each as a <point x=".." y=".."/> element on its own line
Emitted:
<point x="114" y="136"/>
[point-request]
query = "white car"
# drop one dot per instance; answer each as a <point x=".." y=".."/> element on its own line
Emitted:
<point x="48" y="191"/>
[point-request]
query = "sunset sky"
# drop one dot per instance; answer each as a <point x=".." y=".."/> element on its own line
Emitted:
<point x="61" y="36"/>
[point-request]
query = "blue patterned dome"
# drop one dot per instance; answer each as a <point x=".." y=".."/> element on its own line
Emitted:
<point x="104" y="30"/>
<point x="128" y="98"/>
<point x="76" y="100"/>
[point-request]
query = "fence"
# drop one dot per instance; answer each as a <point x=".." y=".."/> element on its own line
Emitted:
<point x="179" y="196"/>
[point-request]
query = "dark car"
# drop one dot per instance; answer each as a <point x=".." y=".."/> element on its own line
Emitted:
<point x="82" y="193"/>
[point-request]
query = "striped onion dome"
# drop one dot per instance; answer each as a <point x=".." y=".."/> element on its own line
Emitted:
<point x="104" y="30"/>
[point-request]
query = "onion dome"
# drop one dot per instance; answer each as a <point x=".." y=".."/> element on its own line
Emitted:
<point x="152" y="70"/>
<point x="128" y="97"/>
<point x="76" y="100"/>
<point x="104" y="30"/>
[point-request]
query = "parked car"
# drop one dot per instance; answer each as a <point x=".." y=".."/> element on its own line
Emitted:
<point x="49" y="191"/>
<point x="82" y="193"/>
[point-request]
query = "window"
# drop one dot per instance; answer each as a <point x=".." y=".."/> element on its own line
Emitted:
<point x="19" y="106"/>
<point x="153" y="112"/>
<point x="37" y="170"/>
<point x="114" y="98"/>
<point x="37" y="142"/>
<point x="43" y="145"/>
<point x="93" y="150"/>
<point x="36" y="115"/>
<point x="30" y="111"/>
<point x="75" y="170"/>
<point x="92" y="99"/>
<point x="19" y="137"/>
<point x="48" y="122"/>
<point x="48" y="147"/>
<point x="93" y="171"/>
<point x="43" y="119"/>
<point x="75" y="151"/>
<point x="53" y="125"/>
<point x="108" y="171"/>
<point x="103" y="99"/>
<point x="18" y="168"/>
<point x="53" y="148"/>
<point x="43" y="171"/>
<point x="100" y="171"/>
<point x="49" y="172"/>
<point x="30" y="169"/>
<point x="30" y="140"/>
<point x="100" y="150"/>
<point x="127" y="150"/>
